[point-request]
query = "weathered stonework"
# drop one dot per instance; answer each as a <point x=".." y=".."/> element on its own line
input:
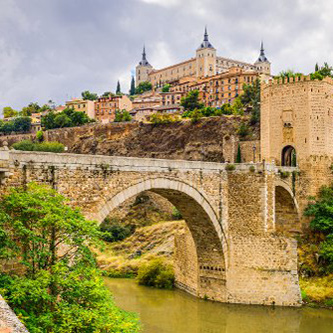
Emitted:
<point x="231" y="254"/>
<point x="299" y="114"/>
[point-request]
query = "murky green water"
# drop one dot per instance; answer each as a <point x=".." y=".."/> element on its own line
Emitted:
<point x="165" y="311"/>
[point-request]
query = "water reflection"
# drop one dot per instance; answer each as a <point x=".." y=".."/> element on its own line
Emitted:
<point x="164" y="311"/>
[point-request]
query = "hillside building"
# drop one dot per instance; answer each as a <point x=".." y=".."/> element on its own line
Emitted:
<point x="206" y="63"/>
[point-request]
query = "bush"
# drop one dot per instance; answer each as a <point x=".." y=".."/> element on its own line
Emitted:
<point x="114" y="231"/>
<point x="122" y="116"/>
<point x="230" y="167"/>
<point x="160" y="118"/>
<point x="40" y="136"/>
<point x="284" y="174"/>
<point x="28" y="145"/>
<point x="320" y="209"/>
<point x="176" y="214"/>
<point x="243" y="130"/>
<point x="156" y="273"/>
<point x="252" y="168"/>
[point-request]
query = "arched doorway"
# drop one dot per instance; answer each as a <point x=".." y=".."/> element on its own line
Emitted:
<point x="206" y="275"/>
<point x="287" y="219"/>
<point x="288" y="157"/>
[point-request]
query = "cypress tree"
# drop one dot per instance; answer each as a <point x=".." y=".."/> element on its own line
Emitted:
<point x="118" y="91"/>
<point x="239" y="155"/>
<point x="132" y="90"/>
<point x="317" y="67"/>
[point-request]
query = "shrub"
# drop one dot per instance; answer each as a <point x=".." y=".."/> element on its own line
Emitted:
<point x="114" y="231"/>
<point x="243" y="130"/>
<point x="40" y="136"/>
<point x="160" y="118"/>
<point x="122" y="115"/>
<point x="230" y="167"/>
<point x="28" y="145"/>
<point x="252" y="168"/>
<point x="156" y="273"/>
<point x="320" y="209"/>
<point x="284" y="174"/>
<point x="176" y="214"/>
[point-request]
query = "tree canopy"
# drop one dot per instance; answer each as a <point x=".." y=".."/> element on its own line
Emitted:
<point x="66" y="118"/>
<point x="60" y="290"/>
<point x="191" y="101"/>
<point x="142" y="87"/>
<point x="320" y="209"/>
<point x="87" y="95"/>
<point x="9" y="112"/>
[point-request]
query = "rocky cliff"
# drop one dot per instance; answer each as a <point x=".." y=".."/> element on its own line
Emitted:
<point x="210" y="139"/>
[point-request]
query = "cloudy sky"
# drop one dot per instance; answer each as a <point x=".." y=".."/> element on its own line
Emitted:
<point x="55" y="49"/>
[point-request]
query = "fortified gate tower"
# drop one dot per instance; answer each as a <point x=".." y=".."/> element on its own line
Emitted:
<point x="297" y="130"/>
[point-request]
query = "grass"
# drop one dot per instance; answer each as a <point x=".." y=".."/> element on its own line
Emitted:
<point x="123" y="259"/>
<point x="317" y="290"/>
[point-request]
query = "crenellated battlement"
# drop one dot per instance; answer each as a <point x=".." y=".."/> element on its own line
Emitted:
<point x="291" y="80"/>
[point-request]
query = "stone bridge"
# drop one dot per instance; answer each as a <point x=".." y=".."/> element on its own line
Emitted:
<point x="234" y="251"/>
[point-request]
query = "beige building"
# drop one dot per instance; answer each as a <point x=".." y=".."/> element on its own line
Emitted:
<point x="86" y="106"/>
<point x="206" y="63"/>
<point x="106" y="107"/>
<point x="147" y="99"/>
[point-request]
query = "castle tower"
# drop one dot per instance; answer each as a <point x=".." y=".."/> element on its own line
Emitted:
<point x="205" y="58"/>
<point x="262" y="64"/>
<point x="143" y="69"/>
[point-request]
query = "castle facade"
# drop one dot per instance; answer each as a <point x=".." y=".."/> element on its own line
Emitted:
<point x="205" y="64"/>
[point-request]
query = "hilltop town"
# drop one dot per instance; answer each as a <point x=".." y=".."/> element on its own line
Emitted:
<point x="218" y="82"/>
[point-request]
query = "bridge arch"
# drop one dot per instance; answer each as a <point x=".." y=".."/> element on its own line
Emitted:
<point x="207" y="234"/>
<point x="287" y="213"/>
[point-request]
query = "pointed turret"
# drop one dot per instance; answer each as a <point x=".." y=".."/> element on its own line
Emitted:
<point x="262" y="56"/>
<point x="144" y="61"/>
<point x="205" y="44"/>
<point x="143" y="68"/>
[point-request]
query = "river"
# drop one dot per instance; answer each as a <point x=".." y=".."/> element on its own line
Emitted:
<point x="174" y="311"/>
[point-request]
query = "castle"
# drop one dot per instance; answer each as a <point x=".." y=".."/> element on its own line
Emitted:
<point x="205" y="64"/>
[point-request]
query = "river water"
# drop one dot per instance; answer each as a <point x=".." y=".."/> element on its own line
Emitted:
<point x="174" y="311"/>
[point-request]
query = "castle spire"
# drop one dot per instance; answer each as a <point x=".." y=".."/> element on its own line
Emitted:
<point x="206" y="44"/>
<point x="144" y="61"/>
<point x="262" y="56"/>
<point x="206" y="34"/>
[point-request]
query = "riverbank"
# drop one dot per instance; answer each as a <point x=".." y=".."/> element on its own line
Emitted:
<point x="317" y="291"/>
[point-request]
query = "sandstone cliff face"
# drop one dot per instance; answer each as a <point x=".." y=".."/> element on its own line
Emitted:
<point x="206" y="140"/>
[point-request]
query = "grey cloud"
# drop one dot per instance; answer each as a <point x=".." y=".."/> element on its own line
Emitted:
<point x="55" y="49"/>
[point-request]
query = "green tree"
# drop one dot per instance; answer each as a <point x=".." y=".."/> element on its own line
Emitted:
<point x="60" y="290"/>
<point x="132" y="89"/>
<point x="322" y="72"/>
<point x="27" y="111"/>
<point x="22" y="124"/>
<point x="87" y="95"/>
<point x="191" y="101"/>
<point x="250" y="99"/>
<point x="320" y="209"/>
<point x="122" y="115"/>
<point x="107" y="94"/>
<point x="142" y="87"/>
<point x="118" y="90"/>
<point x="166" y="88"/>
<point x="239" y="155"/>
<point x="8" y="112"/>
<point x="62" y="120"/>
